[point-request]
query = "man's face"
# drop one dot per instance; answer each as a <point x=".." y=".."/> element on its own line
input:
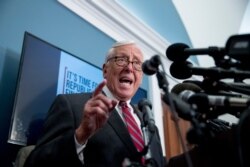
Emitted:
<point x="123" y="81"/>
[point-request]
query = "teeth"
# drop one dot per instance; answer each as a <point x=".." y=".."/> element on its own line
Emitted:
<point x="126" y="80"/>
<point x="125" y="83"/>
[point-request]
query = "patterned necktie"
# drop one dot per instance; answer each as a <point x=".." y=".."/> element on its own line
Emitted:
<point x="132" y="126"/>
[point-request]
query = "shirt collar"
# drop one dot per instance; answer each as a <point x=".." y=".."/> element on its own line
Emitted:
<point x="110" y="95"/>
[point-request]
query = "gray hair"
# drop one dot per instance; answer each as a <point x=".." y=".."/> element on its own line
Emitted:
<point x="117" y="44"/>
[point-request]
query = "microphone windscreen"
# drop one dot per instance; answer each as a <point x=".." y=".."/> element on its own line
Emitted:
<point x="178" y="88"/>
<point x="176" y="52"/>
<point x="181" y="70"/>
<point x="147" y="68"/>
<point x="150" y="67"/>
<point x="195" y="82"/>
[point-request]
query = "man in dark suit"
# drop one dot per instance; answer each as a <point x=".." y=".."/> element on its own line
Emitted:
<point x="88" y="129"/>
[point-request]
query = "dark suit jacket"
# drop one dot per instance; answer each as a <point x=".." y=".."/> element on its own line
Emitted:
<point x="108" y="147"/>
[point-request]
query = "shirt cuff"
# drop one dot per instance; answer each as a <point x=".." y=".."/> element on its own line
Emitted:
<point x="79" y="149"/>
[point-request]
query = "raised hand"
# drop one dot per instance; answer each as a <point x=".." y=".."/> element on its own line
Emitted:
<point x="95" y="114"/>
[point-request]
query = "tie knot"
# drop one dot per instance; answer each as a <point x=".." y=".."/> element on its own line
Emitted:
<point x="123" y="104"/>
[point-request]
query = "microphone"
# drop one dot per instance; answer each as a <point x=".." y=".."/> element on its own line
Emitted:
<point x="212" y="100"/>
<point x="150" y="66"/>
<point x="218" y="73"/>
<point x="212" y="106"/>
<point x="238" y="47"/>
<point x="145" y="107"/>
<point x="216" y="87"/>
<point x="148" y="130"/>
<point x="180" y="87"/>
<point x="184" y="73"/>
<point x="180" y="52"/>
<point x="183" y="109"/>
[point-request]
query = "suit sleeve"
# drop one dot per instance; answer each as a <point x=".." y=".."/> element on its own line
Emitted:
<point x="57" y="146"/>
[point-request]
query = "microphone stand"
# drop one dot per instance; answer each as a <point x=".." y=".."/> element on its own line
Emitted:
<point x="148" y="133"/>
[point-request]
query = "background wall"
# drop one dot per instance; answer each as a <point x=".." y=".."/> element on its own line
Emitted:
<point x="162" y="16"/>
<point x="52" y="22"/>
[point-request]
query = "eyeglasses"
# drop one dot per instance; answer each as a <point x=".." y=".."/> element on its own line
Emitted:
<point x="124" y="61"/>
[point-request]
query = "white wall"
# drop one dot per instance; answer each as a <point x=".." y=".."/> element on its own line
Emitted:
<point x="245" y="24"/>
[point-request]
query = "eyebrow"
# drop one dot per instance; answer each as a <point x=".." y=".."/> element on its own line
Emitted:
<point x="126" y="56"/>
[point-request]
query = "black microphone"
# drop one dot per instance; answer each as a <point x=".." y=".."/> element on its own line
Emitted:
<point x="145" y="107"/>
<point x="150" y="66"/>
<point x="183" y="109"/>
<point x="187" y="70"/>
<point x="240" y="85"/>
<point x="238" y="47"/>
<point x="212" y="106"/>
<point x="212" y="100"/>
<point x="216" y="87"/>
<point x="180" y="87"/>
<point x="180" y="52"/>
<point x="148" y="130"/>
<point x="196" y="82"/>
<point x="181" y="70"/>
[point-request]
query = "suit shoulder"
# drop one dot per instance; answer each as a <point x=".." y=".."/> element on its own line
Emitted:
<point x="74" y="95"/>
<point x="73" y="98"/>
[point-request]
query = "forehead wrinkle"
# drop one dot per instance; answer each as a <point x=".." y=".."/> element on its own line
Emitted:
<point x="131" y="52"/>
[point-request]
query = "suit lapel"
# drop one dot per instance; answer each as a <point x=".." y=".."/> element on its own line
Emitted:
<point x="119" y="127"/>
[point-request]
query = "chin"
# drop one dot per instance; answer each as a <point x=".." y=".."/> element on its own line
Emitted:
<point x="126" y="96"/>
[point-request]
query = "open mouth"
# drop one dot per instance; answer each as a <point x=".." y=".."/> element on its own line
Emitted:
<point x="126" y="80"/>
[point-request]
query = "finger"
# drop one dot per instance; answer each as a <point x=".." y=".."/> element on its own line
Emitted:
<point x="99" y="88"/>
<point x="110" y="103"/>
<point x="101" y="116"/>
<point x="101" y="102"/>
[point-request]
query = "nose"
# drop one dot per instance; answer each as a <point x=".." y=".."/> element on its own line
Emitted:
<point x="130" y="66"/>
